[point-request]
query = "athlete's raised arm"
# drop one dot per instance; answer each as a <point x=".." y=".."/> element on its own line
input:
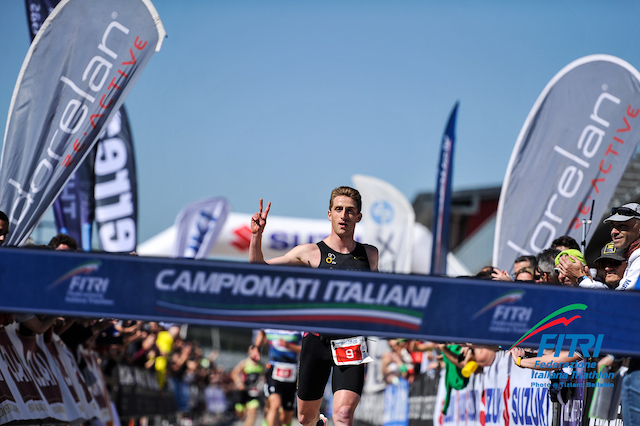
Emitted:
<point x="258" y="222"/>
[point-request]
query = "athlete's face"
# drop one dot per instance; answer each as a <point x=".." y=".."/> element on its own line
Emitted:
<point x="344" y="215"/>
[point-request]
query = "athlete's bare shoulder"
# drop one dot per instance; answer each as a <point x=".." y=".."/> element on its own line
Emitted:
<point x="304" y="254"/>
<point x="372" y="255"/>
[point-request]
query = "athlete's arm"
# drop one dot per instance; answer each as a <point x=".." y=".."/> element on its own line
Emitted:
<point x="372" y="255"/>
<point x="261" y="339"/>
<point x="547" y="359"/>
<point x="258" y="222"/>
<point x="236" y="374"/>
<point x="302" y="255"/>
<point x="299" y="255"/>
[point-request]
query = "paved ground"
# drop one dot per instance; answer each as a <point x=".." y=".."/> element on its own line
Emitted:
<point x="259" y="420"/>
<point x="238" y="422"/>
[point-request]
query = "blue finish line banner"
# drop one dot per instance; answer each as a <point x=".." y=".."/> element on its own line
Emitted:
<point x="345" y="302"/>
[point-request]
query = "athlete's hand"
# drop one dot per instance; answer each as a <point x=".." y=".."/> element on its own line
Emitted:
<point x="259" y="220"/>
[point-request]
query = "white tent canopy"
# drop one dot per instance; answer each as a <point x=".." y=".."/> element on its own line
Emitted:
<point x="282" y="234"/>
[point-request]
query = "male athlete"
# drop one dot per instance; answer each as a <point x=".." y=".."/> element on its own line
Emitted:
<point x="282" y="373"/>
<point x="338" y="251"/>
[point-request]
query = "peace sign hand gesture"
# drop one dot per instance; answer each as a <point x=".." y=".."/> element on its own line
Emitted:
<point x="259" y="220"/>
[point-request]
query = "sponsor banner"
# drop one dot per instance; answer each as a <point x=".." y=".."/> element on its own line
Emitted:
<point x="98" y="388"/>
<point x="137" y="393"/>
<point x="308" y="299"/>
<point x="502" y="395"/>
<point x="199" y="225"/>
<point x="116" y="187"/>
<point x="422" y="398"/>
<point x="388" y="218"/>
<point x="73" y="210"/>
<point x="442" y="199"/>
<point x="37" y="12"/>
<point x="10" y="370"/>
<point x="571" y="152"/>
<point x="396" y="404"/>
<point x="93" y="52"/>
<point x="37" y="381"/>
<point x="370" y="410"/>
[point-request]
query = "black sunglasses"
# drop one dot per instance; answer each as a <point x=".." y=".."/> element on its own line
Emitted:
<point x="625" y="211"/>
<point x="612" y="263"/>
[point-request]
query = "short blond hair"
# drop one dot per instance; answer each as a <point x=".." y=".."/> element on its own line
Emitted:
<point x="346" y="191"/>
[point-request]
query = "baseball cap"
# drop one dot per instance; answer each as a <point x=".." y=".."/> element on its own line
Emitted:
<point x="571" y="252"/>
<point x="609" y="252"/>
<point x="624" y="213"/>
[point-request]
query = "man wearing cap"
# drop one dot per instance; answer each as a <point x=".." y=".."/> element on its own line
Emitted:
<point x="611" y="265"/>
<point x="577" y="274"/>
<point x="625" y="235"/>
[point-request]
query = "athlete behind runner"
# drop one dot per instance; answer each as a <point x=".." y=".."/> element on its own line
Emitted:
<point x="338" y="251"/>
<point x="248" y="377"/>
<point x="282" y="373"/>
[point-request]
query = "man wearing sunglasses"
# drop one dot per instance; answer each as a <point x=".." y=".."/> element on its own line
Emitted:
<point x="611" y="265"/>
<point x="625" y="235"/>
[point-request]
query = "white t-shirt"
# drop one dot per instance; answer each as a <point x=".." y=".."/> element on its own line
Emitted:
<point x="631" y="274"/>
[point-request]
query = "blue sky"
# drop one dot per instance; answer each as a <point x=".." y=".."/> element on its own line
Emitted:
<point x="286" y="100"/>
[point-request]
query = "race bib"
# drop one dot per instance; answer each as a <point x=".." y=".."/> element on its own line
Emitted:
<point x="350" y="351"/>
<point x="284" y="372"/>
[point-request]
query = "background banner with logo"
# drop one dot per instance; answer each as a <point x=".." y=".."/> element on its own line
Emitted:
<point x="37" y="12"/>
<point x="93" y="53"/>
<point x="74" y="209"/>
<point x="389" y="220"/>
<point x="570" y="154"/>
<point x="442" y="198"/>
<point x="199" y="225"/>
<point x="368" y="303"/>
<point x="116" y="187"/>
<point x="504" y="394"/>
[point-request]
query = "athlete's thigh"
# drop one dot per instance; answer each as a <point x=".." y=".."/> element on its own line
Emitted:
<point x="315" y="368"/>
<point x="349" y="377"/>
